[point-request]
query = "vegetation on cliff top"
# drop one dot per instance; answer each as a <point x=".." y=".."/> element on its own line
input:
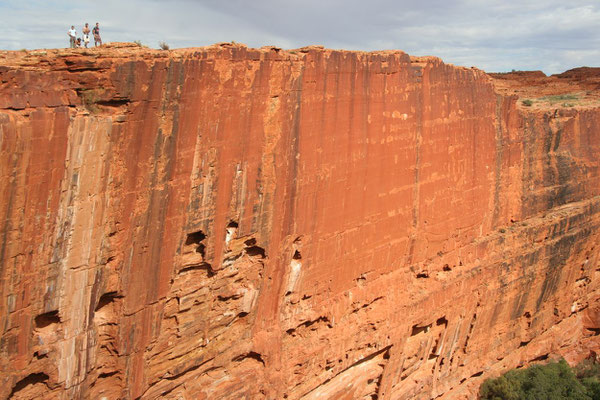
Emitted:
<point x="552" y="381"/>
<point x="564" y="100"/>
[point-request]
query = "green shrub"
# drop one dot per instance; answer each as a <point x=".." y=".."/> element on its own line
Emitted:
<point x="592" y="385"/>
<point x="552" y="381"/>
<point x="560" y="97"/>
<point x="566" y="99"/>
<point x="502" y="388"/>
<point x="527" y="102"/>
<point x="587" y="369"/>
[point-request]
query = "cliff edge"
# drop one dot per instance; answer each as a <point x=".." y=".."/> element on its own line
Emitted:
<point x="227" y="222"/>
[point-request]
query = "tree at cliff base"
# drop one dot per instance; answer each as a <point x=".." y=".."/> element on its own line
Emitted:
<point x="553" y="381"/>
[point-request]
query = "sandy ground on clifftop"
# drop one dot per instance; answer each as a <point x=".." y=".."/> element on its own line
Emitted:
<point x="576" y="88"/>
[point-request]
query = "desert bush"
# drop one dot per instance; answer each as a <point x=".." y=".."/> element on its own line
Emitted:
<point x="552" y="381"/>
<point x="560" y="97"/>
<point x="527" y="102"/>
<point x="163" y="45"/>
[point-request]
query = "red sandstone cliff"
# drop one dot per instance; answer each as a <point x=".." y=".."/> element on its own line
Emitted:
<point x="226" y="223"/>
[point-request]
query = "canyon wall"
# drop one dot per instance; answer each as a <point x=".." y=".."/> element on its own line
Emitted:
<point x="227" y="223"/>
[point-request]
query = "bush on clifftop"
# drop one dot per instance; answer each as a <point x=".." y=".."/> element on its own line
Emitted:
<point x="552" y="381"/>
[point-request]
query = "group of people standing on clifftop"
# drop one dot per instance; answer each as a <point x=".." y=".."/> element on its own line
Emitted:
<point x="75" y="42"/>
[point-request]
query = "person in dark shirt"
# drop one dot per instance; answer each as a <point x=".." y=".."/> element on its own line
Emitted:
<point x="96" y="33"/>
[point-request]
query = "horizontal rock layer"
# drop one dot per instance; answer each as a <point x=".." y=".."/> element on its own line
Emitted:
<point x="236" y="223"/>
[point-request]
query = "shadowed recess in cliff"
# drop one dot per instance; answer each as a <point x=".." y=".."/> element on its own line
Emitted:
<point x="196" y="238"/>
<point x="32" y="386"/>
<point x="253" y="250"/>
<point x="45" y="320"/>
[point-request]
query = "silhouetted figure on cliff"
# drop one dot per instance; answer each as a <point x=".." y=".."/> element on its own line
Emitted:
<point x="96" y="33"/>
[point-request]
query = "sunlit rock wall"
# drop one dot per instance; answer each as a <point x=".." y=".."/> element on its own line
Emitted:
<point x="226" y="222"/>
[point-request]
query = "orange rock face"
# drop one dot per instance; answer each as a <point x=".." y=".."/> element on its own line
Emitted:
<point x="226" y="223"/>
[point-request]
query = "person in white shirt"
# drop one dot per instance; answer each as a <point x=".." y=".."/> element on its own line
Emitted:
<point x="72" y="36"/>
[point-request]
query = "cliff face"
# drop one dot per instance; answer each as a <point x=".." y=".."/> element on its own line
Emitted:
<point x="227" y="222"/>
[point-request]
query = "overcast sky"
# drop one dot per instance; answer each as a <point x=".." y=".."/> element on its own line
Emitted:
<point x="494" y="35"/>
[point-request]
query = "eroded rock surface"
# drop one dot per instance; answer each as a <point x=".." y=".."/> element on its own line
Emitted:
<point x="226" y="223"/>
